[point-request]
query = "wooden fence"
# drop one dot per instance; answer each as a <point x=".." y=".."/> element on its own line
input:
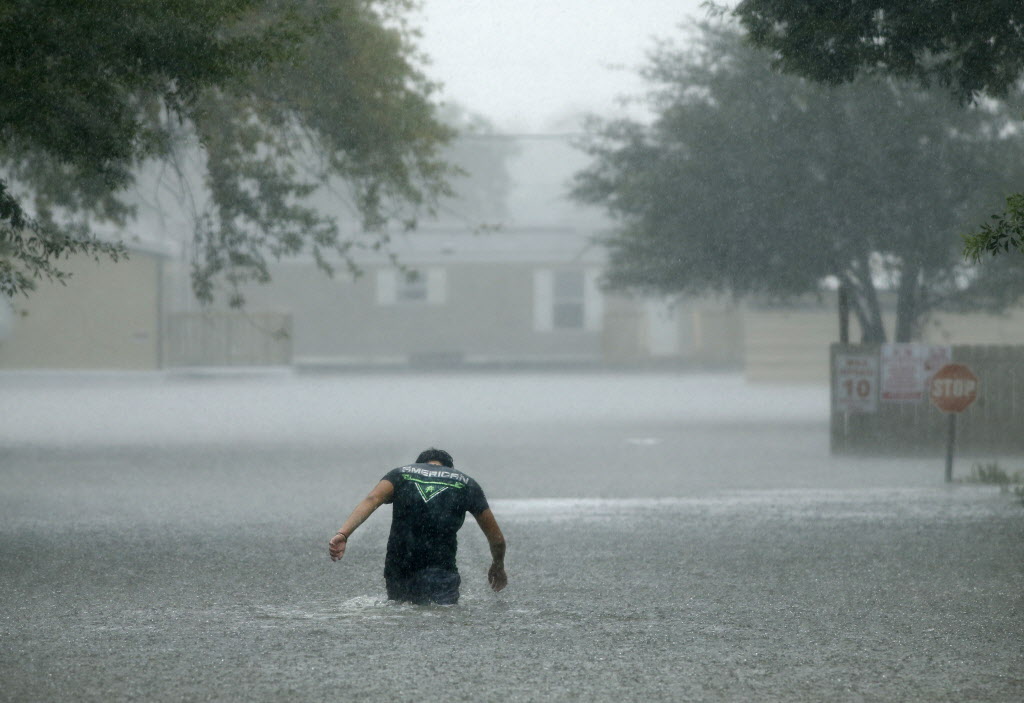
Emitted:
<point x="993" y="424"/>
<point x="228" y="339"/>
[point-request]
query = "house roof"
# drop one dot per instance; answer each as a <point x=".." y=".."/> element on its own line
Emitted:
<point x="550" y="245"/>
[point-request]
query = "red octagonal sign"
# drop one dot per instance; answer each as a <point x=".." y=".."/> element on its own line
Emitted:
<point x="953" y="388"/>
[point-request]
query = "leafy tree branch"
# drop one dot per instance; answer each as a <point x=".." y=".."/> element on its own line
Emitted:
<point x="755" y="183"/>
<point x="973" y="49"/>
<point x="257" y="89"/>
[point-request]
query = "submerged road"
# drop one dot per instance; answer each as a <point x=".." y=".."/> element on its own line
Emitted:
<point x="165" y="539"/>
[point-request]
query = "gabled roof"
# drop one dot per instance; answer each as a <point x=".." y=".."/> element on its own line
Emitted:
<point x="549" y="245"/>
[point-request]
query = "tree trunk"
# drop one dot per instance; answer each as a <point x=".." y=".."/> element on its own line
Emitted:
<point x="844" y="314"/>
<point x="906" y="304"/>
<point x="861" y="299"/>
<point x="869" y="312"/>
<point x="869" y="318"/>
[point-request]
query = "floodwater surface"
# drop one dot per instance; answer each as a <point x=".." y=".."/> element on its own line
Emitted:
<point x="670" y="538"/>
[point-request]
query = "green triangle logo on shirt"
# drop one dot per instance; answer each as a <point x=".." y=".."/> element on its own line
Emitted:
<point x="430" y="490"/>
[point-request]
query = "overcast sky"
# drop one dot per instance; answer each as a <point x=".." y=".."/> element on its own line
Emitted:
<point x="529" y="65"/>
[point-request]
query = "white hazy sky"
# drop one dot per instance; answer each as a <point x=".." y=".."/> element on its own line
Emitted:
<point x="528" y="65"/>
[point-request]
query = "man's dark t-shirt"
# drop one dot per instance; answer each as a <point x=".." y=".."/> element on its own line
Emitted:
<point x="430" y="505"/>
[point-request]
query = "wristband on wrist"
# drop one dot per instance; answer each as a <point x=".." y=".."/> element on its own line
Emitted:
<point x="343" y="535"/>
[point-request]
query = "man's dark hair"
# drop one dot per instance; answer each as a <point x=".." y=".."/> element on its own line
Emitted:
<point x="432" y="454"/>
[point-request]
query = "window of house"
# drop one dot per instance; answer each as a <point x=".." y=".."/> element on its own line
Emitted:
<point x="567" y="300"/>
<point x="411" y="287"/>
<point x="428" y="286"/>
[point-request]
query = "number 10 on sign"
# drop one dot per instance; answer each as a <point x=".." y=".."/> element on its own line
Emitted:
<point x="856" y="379"/>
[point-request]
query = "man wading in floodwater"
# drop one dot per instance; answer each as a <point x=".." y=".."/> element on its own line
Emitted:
<point x="431" y="500"/>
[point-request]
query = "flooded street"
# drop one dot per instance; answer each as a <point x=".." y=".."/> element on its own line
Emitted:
<point x="670" y="538"/>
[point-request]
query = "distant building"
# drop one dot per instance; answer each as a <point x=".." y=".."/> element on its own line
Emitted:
<point x="526" y="296"/>
<point x="522" y="290"/>
<point x="108" y="316"/>
<point x="790" y="342"/>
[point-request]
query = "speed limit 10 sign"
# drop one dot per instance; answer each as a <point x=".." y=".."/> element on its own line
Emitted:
<point x="856" y="379"/>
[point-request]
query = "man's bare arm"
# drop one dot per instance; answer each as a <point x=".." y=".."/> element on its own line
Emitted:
<point x="382" y="493"/>
<point x="496" y="573"/>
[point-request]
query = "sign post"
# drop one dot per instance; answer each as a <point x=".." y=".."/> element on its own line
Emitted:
<point x="953" y="388"/>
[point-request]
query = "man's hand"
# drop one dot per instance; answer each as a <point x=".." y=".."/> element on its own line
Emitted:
<point x="496" y="574"/>
<point x="336" y="546"/>
<point x="381" y="493"/>
<point x="497" y="577"/>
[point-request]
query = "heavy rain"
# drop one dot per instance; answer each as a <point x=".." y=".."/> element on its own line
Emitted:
<point x="747" y="408"/>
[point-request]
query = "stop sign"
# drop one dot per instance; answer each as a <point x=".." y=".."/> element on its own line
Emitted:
<point x="953" y="388"/>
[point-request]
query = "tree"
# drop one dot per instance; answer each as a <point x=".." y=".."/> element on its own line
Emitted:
<point x="972" y="48"/>
<point x="753" y="182"/>
<point x="285" y="99"/>
<point x="76" y="79"/>
<point x="1006" y="232"/>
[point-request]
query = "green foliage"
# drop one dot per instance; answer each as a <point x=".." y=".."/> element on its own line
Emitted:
<point x="348" y="115"/>
<point x="971" y="48"/>
<point x="78" y="79"/>
<point x="285" y="100"/>
<point x="79" y="72"/>
<point x="990" y="473"/>
<point x="993" y="474"/>
<point x="1004" y="234"/>
<point x="36" y="247"/>
<point x="753" y="182"/>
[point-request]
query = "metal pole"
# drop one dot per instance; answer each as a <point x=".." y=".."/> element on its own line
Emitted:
<point x="950" y="446"/>
<point x="844" y="314"/>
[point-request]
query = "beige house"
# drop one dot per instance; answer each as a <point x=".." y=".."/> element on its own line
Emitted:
<point x="526" y="296"/>
<point x="521" y="297"/>
<point x="108" y="316"/>
<point x="673" y="332"/>
<point x="529" y="296"/>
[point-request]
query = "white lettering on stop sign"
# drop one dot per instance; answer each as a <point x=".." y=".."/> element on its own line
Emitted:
<point x="953" y="388"/>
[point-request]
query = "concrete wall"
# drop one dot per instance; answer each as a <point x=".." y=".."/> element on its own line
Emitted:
<point x="106" y="317"/>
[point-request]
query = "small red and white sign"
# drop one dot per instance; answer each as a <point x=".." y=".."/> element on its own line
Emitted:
<point x="908" y="368"/>
<point x="953" y="388"/>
